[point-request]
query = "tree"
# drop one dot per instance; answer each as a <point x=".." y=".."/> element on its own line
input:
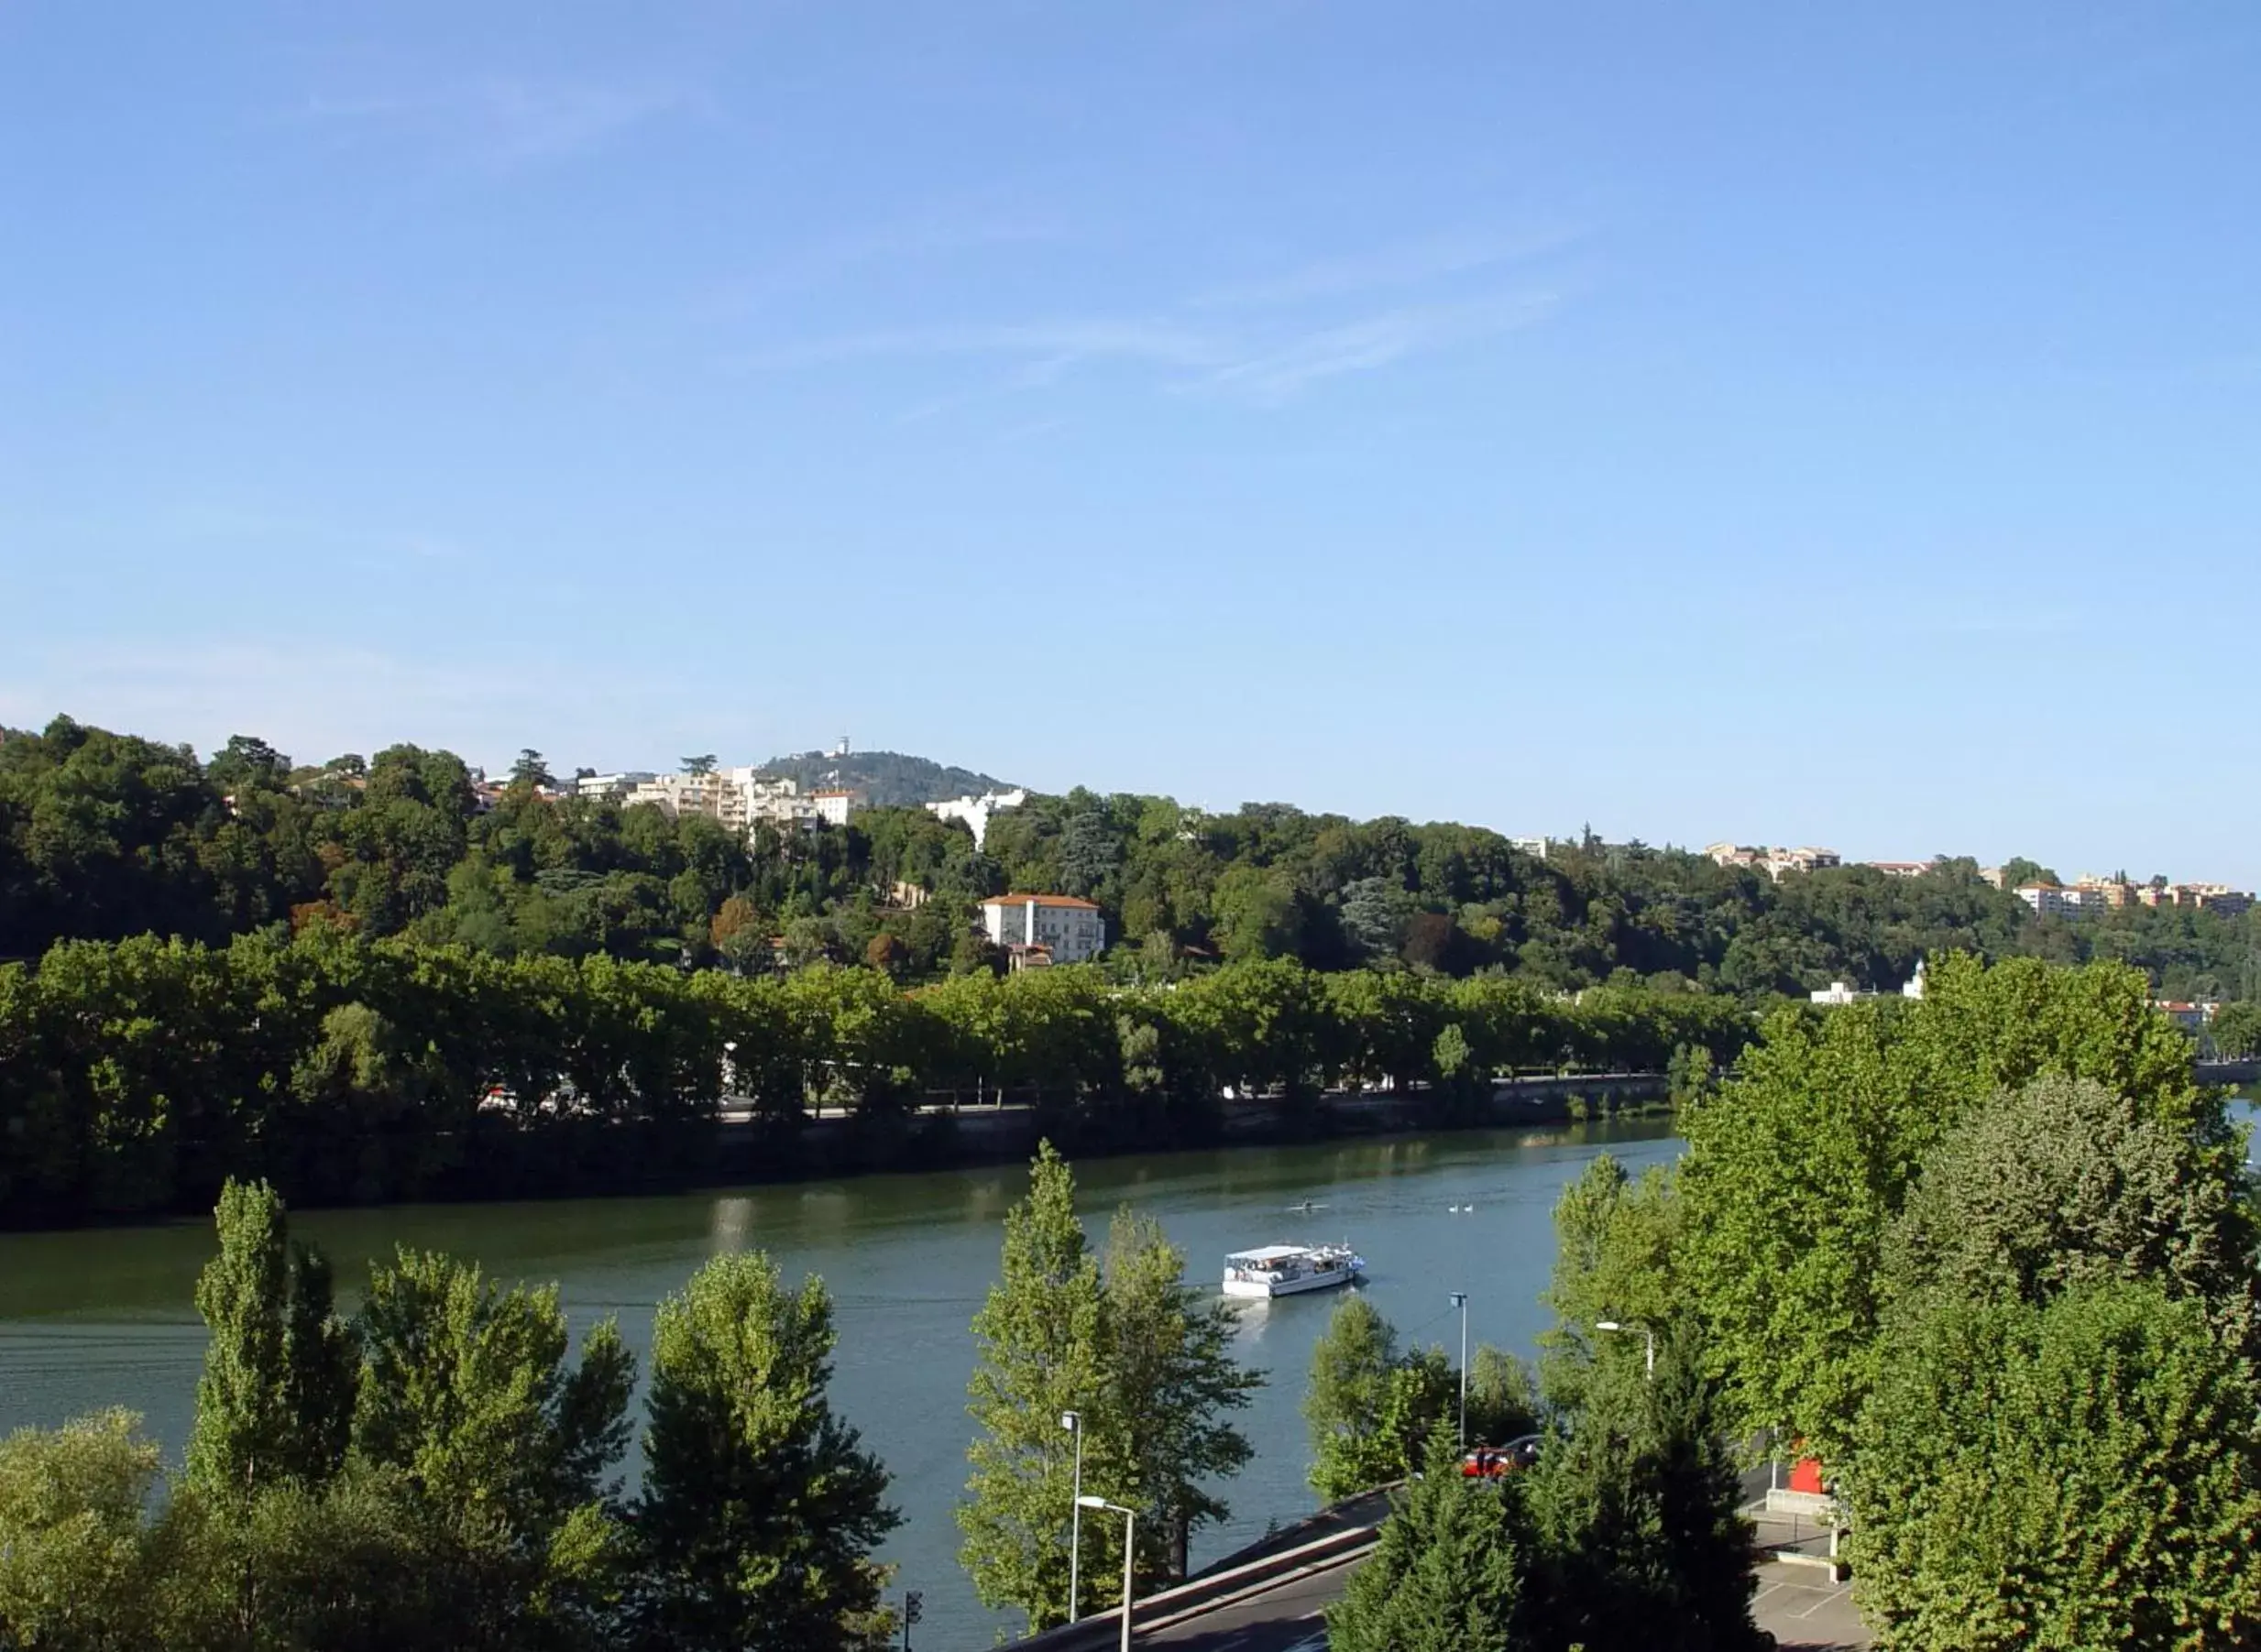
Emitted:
<point x="1171" y="1382"/>
<point x="759" y="1510"/>
<point x="1502" y="1403"/>
<point x="2081" y="1474"/>
<point x="1613" y="1259"/>
<point x="1343" y="1406"/>
<point x="1089" y="853"/>
<point x="702" y="765"/>
<point x="276" y="1400"/>
<point x="1446" y="1570"/>
<point x="247" y="761"/>
<point x="1638" y="1506"/>
<point x="1039" y="1338"/>
<point x="73" y="1554"/>
<point x="530" y="771"/>
<point x="2236" y="1031"/>
<point x="1375" y="914"/>
<point x="1796" y="1167"/>
<point x="2018" y="871"/>
<point x="2065" y="1182"/>
<point x="468" y="1400"/>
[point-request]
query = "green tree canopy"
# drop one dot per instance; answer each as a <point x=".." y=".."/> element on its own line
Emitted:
<point x="2066" y="1182"/>
<point x="1796" y="1167"/>
<point x="1638" y="1507"/>
<point x="72" y="1551"/>
<point x="276" y="1400"/>
<point x="759" y="1509"/>
<point x="1172" y="1383"/>
<point x="1446" y="1573"/>
<point x="2079" y="1473"/>
<point x="1039" y="1337"/>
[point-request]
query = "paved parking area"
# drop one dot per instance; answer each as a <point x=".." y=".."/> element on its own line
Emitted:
<point x="1804" y="1609"/>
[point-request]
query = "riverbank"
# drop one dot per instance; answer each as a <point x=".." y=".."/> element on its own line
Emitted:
<point x="940" y="1138"/>
<point x="500" y="1160"/>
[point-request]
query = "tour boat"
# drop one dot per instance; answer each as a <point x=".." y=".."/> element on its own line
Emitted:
<point x="1282" y="1270"/>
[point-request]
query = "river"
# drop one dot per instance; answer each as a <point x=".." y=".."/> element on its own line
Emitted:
<point x="106" y="1317"/>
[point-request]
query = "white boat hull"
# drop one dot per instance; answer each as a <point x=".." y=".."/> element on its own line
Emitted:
<point x="1287" y="1287"/>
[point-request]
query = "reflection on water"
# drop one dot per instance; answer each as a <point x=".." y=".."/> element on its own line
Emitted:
<point x="107" y="1317"/>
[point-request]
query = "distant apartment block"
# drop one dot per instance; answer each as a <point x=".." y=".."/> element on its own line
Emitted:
<point x="740" y="798"/>
<point x="1774" y="862"/>
<point x="1044" y="929"/>
<point x="1901" y="868"/>
<point x="1536" y="848"/>
<point x="975" y="811"/>
<point x="2058" y="901"/>
<point x="2197" y="897"/>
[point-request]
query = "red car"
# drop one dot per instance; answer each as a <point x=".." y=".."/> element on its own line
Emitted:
<point x="1492" y="1462"/>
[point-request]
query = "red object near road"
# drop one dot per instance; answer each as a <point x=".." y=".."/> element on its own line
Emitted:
<point x="1492" y="1462"/>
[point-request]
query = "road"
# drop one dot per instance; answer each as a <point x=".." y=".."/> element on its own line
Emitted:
<point x="1286" y="1619"/>
<point x="1798" y="1605"/>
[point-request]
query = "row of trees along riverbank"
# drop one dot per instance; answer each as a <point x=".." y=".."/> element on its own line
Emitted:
<point x="136" y="1076"/>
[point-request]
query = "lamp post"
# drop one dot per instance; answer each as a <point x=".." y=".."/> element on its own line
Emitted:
<point x="1073" y="1422"/>
<point x="1130" y="1551"/>
<point x="1460" y="1301"/>
<point x="1614" y="1326"/>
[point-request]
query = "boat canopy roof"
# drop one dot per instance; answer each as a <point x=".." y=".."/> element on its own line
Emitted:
<point x="1269" y="1253"/>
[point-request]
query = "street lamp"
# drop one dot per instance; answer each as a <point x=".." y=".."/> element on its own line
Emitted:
<point x="1460" y="1301"/>
<point x="1644" y="1330"/>
<point x="1073" y="1422"/>
<point x="1130" y="1524"/>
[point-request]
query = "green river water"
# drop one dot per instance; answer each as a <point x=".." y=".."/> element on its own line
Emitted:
<point x="106" y="1317"/>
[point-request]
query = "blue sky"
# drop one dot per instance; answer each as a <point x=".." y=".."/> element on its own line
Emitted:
<point x="1791" y="424"/>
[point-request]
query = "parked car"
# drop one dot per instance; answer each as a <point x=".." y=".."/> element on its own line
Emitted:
<point x="1491" y="1462"/>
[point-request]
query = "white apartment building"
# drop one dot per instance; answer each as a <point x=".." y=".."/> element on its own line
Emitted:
<point x="975" y="811"/>
<point x="2054" y="900"/>
<point x="740" y="798"/>
<point x="1067" y="931"/>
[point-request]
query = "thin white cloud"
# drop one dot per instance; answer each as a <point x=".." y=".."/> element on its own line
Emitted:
<point x="1264" y="344"/>
<point x="927" y="235"/>
<point x="1045" y="344"/>
<point x="507" y="123"/>
<point x="1271" y="377"/>
<point x="1409" y="264"/>
<point x="1259" y="366"/>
